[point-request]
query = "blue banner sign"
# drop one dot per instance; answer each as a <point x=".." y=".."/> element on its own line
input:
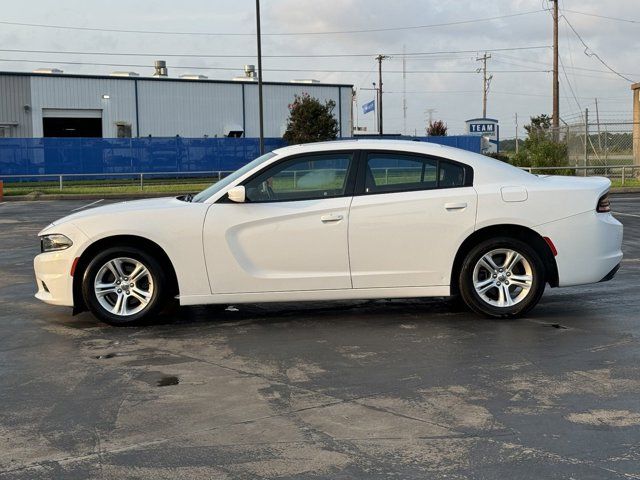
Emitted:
<point x="482" y="128"/>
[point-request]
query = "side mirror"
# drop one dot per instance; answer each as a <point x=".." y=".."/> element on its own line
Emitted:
<point x="237" y="194"/>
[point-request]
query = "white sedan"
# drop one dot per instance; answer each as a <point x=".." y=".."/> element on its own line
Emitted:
<point x="341" y="220"/>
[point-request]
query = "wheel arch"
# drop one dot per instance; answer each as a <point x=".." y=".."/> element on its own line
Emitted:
<point x="519" y="232"/>
<point x="135" y="241"/>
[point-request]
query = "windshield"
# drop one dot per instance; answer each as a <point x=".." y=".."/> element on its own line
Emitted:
<point x="216" y="187"/>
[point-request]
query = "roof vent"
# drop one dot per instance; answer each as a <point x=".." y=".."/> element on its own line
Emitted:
<point x="124" y="74"/>
<point x="305" y="80"/>
<point x="191" y="76"/>
<point x="48" y="70"/>
<point x="161" y="69"/>
<point x="250" y="71"/>
<point x="249" y="74"/>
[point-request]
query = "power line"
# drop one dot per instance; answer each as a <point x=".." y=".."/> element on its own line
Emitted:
<point x="310" y="70"/>
<point x="251" y="55"/>
<point x="618" y="19"/>
<point x="244" y="34"/>
<point x="590" y="53"/>
<point x="519" y="59"/>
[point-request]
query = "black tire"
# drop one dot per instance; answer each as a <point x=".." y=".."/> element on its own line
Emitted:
<point x="477" y="303"/>
<point x="157" y="276"/>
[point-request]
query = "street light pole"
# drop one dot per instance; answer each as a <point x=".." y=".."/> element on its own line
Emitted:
<point x="260" y="107"/>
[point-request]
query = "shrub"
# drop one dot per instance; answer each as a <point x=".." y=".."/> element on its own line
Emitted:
<point x="310" y="121"/>
<point x="437" y="129"/>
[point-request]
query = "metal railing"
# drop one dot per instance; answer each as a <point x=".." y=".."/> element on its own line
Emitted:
<point x="622" y="172"/>
<point x="138" y="178"/>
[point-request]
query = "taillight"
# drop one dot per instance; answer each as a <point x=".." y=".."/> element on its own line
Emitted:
<point x="604" y="204"/>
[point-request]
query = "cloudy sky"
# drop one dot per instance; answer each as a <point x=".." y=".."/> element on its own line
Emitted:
<point x="445" y="82"/>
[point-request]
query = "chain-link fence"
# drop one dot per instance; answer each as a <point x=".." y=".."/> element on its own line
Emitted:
<point x="599" y="144"/>
<point x="597" y="148"/>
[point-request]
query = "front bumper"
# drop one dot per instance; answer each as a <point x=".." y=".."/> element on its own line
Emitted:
<point x="53" y="269"/>
<point x="589" y="247"/>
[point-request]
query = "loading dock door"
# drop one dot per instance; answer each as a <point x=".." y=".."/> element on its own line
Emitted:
<point x="71" y="123"/>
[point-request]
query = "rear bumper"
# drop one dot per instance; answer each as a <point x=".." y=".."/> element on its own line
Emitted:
<point x="611" y="274"/>
<point x="589" y="247"/>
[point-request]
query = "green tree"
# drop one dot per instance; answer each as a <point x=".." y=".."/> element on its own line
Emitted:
<point x="310" y="121"/>
<point x="540" y="149"/>
<point x="437" y="129"/>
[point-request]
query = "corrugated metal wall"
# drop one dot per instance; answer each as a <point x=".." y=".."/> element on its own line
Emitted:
<point x="14" y="96"/>
<point x="165" y="107"/>
<point x="189" y="109"/>
<point x="84" y="93"/>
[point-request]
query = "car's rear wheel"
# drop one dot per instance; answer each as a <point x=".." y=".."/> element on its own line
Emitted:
<point x="124" y="286"/>
<point x="502" y="277"/>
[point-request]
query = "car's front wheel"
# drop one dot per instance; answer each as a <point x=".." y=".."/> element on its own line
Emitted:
<point x="123" y="286"/>
<point x="502" y="277"/>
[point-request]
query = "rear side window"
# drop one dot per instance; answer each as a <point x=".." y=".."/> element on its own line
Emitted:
<point x="451" y="175"/>
<point x="391" y="172"/>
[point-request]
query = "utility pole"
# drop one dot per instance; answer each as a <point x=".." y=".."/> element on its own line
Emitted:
<point x="555" y="119"/>
<point x="404" y="90"/>
<point x="517" y="141"/>
<point x="376" y="118"/>
<point x="429" y="112"/>
<point x="380" y="58"/>
<point x="586" y="140"/>
<point x="260" y="107"/>
<point x="598" y="124"/>
<point x="485" y="82"/>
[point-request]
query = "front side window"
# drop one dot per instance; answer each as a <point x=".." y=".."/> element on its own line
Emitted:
<point x="306" y="177"/>
<point x="391" y="172"/>
<point x="229" y="179"/>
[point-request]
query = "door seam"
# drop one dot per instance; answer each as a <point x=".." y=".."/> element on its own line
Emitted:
<point x="349" y="241"/>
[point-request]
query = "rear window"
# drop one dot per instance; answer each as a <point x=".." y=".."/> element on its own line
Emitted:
<point x="397" y="172"/>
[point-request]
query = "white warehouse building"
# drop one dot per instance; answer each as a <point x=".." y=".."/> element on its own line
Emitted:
<point x="51" y="103"/>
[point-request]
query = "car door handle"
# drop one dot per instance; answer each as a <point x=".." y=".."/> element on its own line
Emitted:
<point x="455" y="206"/>
<point x="331" y="218"/>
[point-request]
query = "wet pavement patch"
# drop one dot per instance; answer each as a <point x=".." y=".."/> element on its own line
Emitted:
<point x="158" y="379"/>
<point x="108" y="355"/>
<point x="168" y="380"/>
<point x="558" y="326"/>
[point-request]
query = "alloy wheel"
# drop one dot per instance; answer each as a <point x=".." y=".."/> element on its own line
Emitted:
<point x="502" y="277"/>
<point x="123" y="286"/>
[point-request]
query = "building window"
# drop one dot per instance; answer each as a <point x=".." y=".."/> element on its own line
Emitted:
<point x="123" y="130"/>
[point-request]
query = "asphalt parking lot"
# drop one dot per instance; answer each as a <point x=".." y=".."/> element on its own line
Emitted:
<point x="376" y="389"/>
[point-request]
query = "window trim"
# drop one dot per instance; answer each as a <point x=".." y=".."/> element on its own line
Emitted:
<point x="350" y="182"/>
<point x="362" y="166"/>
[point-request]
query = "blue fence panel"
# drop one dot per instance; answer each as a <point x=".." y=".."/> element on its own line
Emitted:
<point x="52" y="156"/>
<point x="55" y="156"/>
<point x="464" y="142"/>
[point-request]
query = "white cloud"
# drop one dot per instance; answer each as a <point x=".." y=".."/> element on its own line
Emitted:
<point x="528" y="94"/>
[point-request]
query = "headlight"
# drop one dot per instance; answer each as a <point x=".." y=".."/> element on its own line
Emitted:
<point x="53" y="242"/>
